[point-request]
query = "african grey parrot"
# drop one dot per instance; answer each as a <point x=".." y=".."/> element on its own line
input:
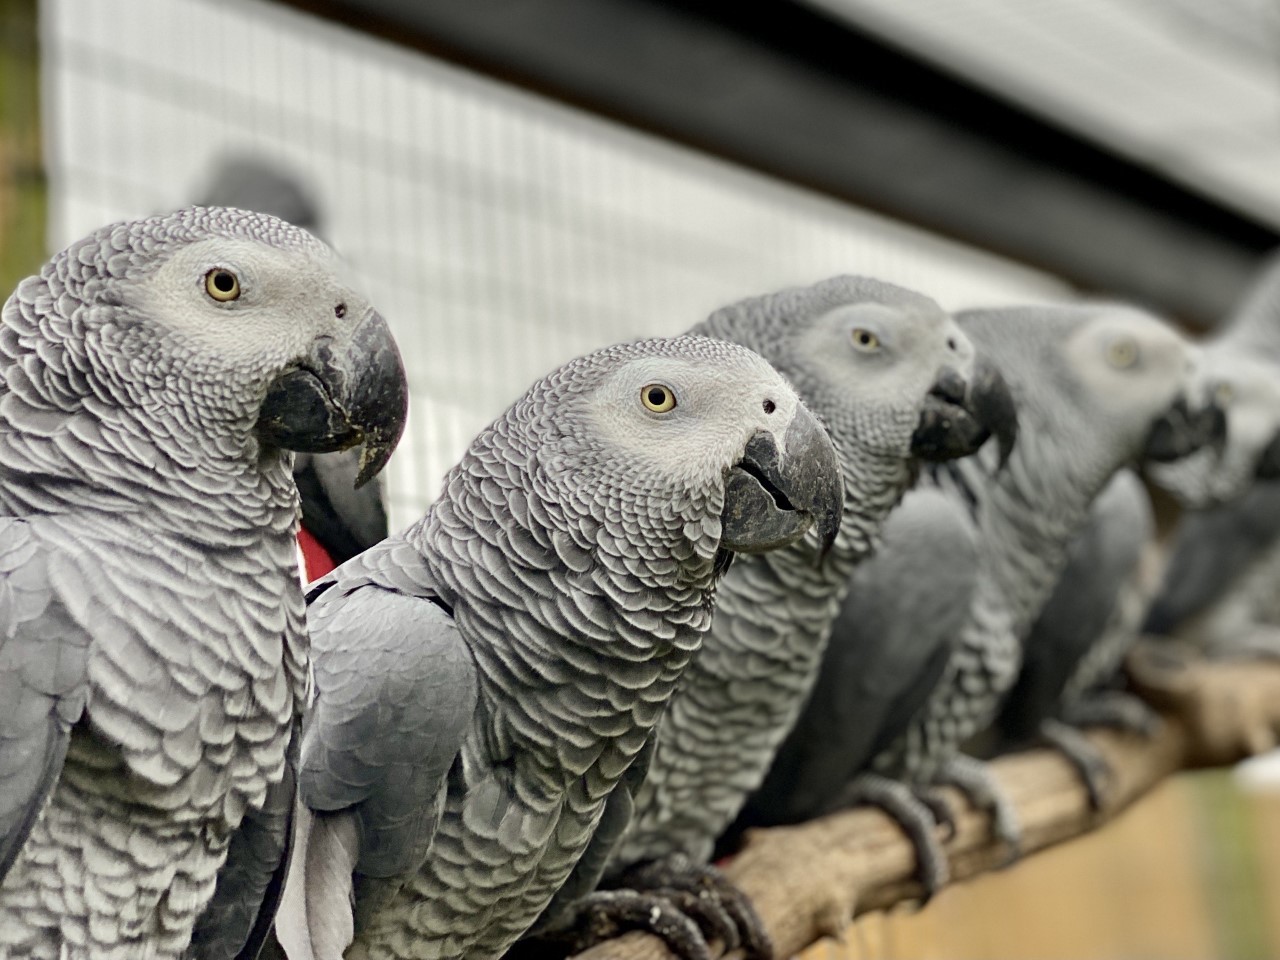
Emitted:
<point x="1096" y="387"/>
<point x="1096" y="612"/>
<point x="894" y="379"/>
<point x="1220" y="585"/>
<point x="339" y="519"/>
<point x="486" y="679"/>
<point x="153" y="378"/>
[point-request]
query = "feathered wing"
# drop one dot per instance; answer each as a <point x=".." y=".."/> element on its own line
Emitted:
<point x="889" y="649"/>
<point x="237" y="920"/>
<point x="1100" y="563"/>
<point x="1210" y="550"/>
<point x="395" y="694"/>
<point x="44" y="647"/>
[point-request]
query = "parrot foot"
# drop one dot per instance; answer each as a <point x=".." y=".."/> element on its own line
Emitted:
<point x="1092" y="767"/>
<point x="919" y="814"/>
<point x="974" y="779"/>
<point x="721" y="910"/>
<point x="605" y="914"/>
<point x="1115" y="709"/>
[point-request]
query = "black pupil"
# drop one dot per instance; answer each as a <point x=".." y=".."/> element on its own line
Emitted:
<point x="340" y="310"/>
<point x="864" y="337"/>
<point x="657" y="396"/>
<point x="769" y="406"/>
<point x="224" y="282"/>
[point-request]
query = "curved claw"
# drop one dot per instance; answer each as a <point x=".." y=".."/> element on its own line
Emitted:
<point x="944" y="815"/>
<point x="1092" y="767"/>
<point x="974" y="779"/>
<point x="678" y="873"/>
<point x="606" y="914"/>
<point x="918" y="814"/>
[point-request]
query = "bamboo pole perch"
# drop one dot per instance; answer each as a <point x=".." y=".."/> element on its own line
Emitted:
<point x="809" y="881"/>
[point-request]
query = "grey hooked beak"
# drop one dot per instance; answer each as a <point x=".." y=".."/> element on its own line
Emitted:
<point x="958" y="418"/>
<point x="1269" y="462"/>
<point x="774" y="496"/>
<point x="1182" y="431"/>
<point x="336" y="400"/>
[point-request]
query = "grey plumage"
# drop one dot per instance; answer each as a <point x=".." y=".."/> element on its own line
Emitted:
<point x="889" y="649"/>
<point x="883" y="366"/>
<point x="1099" y="603"/>
<point x="1093" y="385"/>
<point x="1093" y="615"/>
<point x="486" y="679"/>
<point x="1218" y="590"/>
<point x="152" y="658"/>
<point x="345" y="519"/>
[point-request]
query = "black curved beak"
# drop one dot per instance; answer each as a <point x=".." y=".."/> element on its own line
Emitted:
<point x="1269" y="462"/>
<point x="774" y="496"/>
<point x="339" y="398"/>
<point x="958" y="418"/>
<point x="1182" y="431"/>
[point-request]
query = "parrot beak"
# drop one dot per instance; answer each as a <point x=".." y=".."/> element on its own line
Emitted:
<point x="1182" y="431"/>
<point x="958" y="418"/>
<point x="1269" y="462"/>
<point x="335" y="400"/>
<point x="772" y="497"/>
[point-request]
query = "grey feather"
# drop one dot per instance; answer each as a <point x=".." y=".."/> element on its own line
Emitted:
<point x="488" y="679"/>
<point x="866" y="356"/>
<point x="1073" y="625"/>
<point x="395" y="692"/>
<point x="889" y="650"/>
<point x="1082" y="418"/>
<point x="1211" y="551"/>
<point x="237" y="920"/>
<point x="43" y="677"/>
<point x="152" y="657"/>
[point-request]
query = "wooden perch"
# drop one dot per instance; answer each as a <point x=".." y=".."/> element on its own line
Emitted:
<point x="809" y="881"/>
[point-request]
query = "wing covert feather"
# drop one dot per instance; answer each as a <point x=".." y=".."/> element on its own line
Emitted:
<point x="44" y="651"/>
<point x="889" y="648"/>
<point x="395" y="693"/>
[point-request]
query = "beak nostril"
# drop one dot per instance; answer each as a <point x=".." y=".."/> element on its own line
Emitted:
<point x="951" y="344"/>
<point x="770" y="406"/>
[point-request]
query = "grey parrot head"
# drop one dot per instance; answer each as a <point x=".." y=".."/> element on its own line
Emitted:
<point x="1247" y="388"/>
<point x="247" y="330"/>
<point x="1100" y="385"/>
<point x="693" y="447"/>
<point x="887" y="369"/>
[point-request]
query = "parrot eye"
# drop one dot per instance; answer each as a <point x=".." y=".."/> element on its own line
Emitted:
<point x="864" y="339"/>
<point x="1122" y="354"/>
<point x="222" y="284"/>
<point x="658" y="398"/>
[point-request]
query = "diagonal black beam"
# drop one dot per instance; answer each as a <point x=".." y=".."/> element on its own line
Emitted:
<point x="780" y="87"/>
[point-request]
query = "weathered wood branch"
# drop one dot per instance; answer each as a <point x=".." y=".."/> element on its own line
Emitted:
<point x="809" y="881"/>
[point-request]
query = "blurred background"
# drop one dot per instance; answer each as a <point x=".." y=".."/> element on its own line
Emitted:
<point x="518" y="181"/>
